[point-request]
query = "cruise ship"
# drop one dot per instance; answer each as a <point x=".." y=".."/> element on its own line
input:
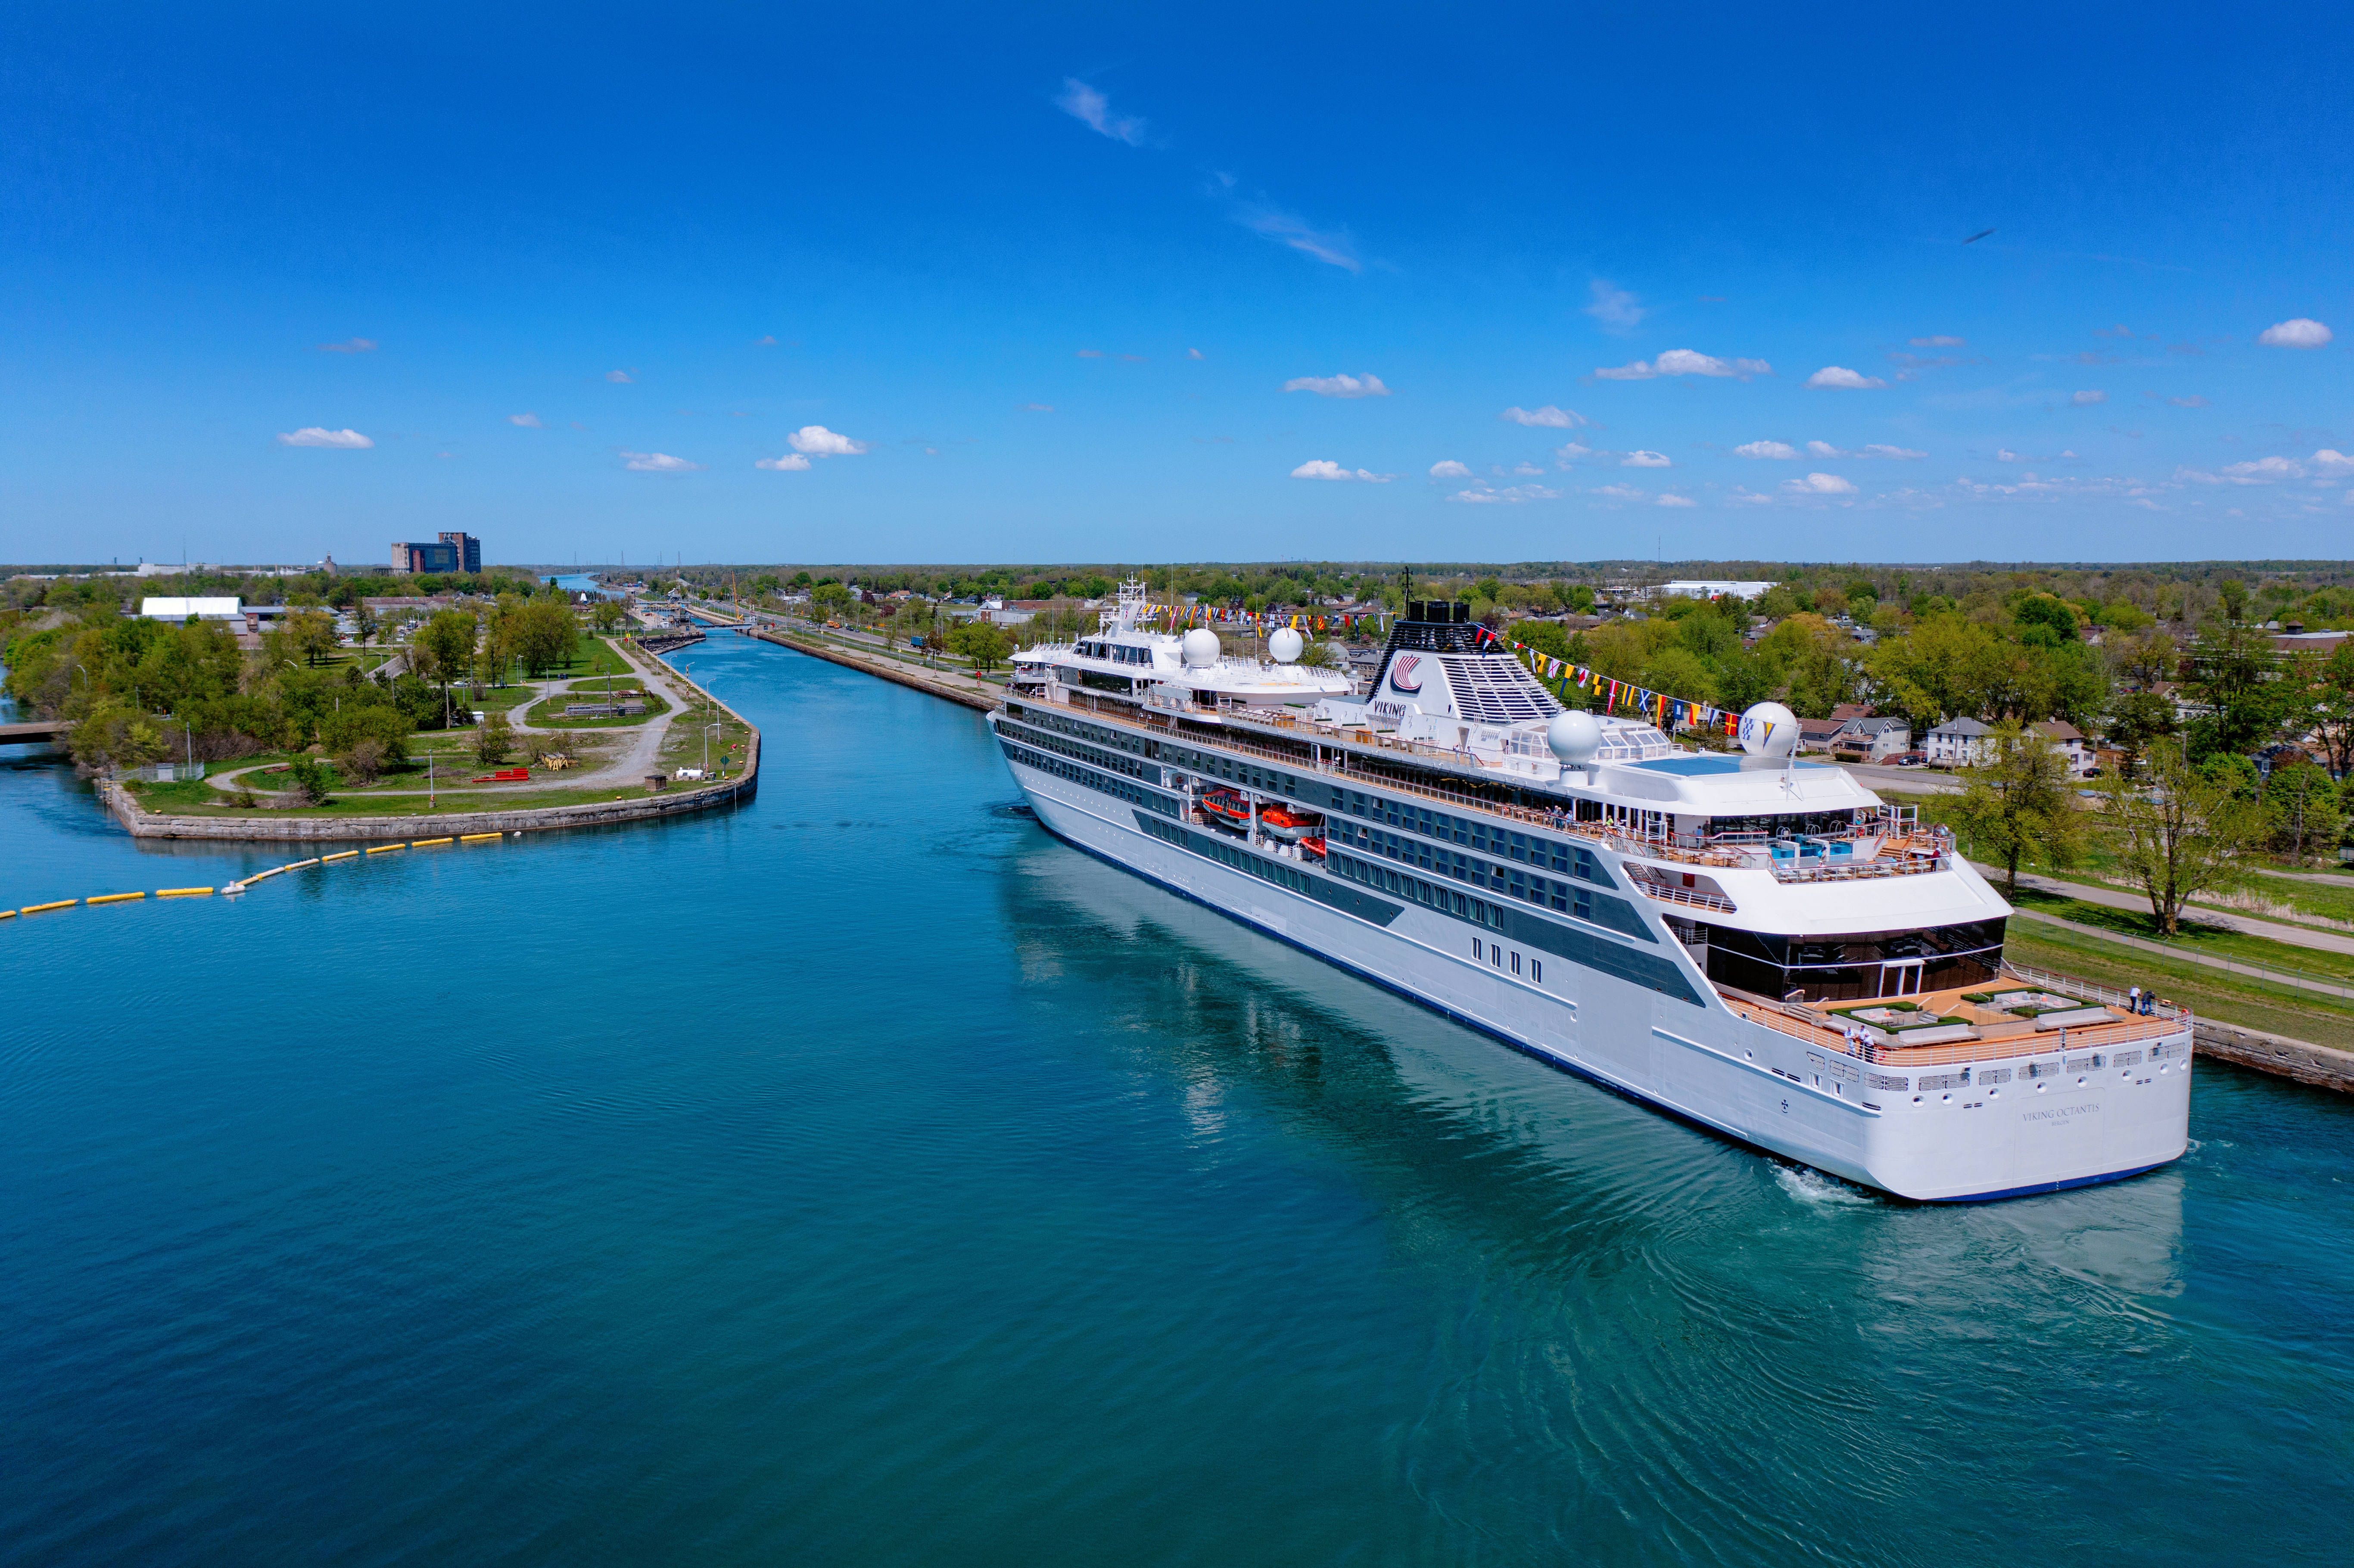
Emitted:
<point x="1755" y="943"/>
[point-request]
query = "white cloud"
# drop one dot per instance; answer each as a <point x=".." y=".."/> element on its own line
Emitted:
<point x="656" y="462"/>
<point x="768" y="342"/>
<point x="1512" y="495"/>
<point x="1450" y="469"/>
<point x="1779" y="451"/>
<point x="618" y="377"/>
<point x="1744" y="496"/>
<point x="2332" y="464"/>
<point x="1089" y="354"/>
<point x="816" y="441"/>
<point x="1614" y="308"/>
<point x="351" y="345"/>
<point x="1818" y="484"/>
<point x="791" y="463"/>
<point x="528" y="422"/>
<point x="1548" y="418"/>
<point x="2299" y="332"/>
<point x="1085" y="104"/>
<point x="1902" y="454"/>
<point x="1527" y="470"/>
<point x="2194" y="401"/>
<point x="2085" y="399"/>
<point x="1677" y="501"/>
<point x="319" y="436"/>
<point x="1037" y="408"/>
<point x="1645" y="459"/>
<point x="1287" y="229"/>
<point x="1619" y="493"/>
<point x="1325" y="468"/>
<point x="1940" y="342"/>
<point x="1365" y="386"/>
<point x="1685" y="361"/>
<point x="2263" y="470"/>
<point x="1825" y="449"/>
<point x="1841" y="376"/>
<point x="1195" y="353"/>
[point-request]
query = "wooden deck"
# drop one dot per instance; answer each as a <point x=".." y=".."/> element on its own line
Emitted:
<point x="2000" y="1034"/>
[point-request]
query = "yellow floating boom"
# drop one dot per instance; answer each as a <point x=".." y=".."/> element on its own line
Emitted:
<point x="477" y="838"/>
<point x="183" y="892"/>
<point x="387" y="849"/>
<point x="346" y="855"/>
<point x="60" y="904"/>
<point x="115" y="898"/>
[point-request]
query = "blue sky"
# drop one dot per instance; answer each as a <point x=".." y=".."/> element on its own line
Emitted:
<point x="980" y="287"/>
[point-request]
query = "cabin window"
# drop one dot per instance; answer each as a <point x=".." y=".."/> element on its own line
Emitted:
<point x="1478" y="954"/>
<point x="1536" y="970"/>
<point x="1516" y="963"/>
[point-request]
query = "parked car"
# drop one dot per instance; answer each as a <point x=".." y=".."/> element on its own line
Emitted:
<point x="1910" y="759"/>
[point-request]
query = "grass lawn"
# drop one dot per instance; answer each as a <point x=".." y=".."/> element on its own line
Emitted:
<point x="2207" y="940"/>
<point x="549" y="713"/>
<point x="503" y="699"/>
<point x="2227" y="998"/>
<point x="684" y="747"/>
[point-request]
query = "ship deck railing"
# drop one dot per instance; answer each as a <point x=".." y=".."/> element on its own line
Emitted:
<point x="1908" y="855"/>
<point x="1812" y="1024"/>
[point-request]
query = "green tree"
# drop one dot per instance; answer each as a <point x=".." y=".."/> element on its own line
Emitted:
<point x="2234" y="671"/>
<point x="447" y="643"/>
<point x="494" y="738"/>
<point x="379" y="720"/>
<point x="312" y="632"/>
<point x="2307" y="815"/>
<point x="2181" y="835"/>
<point x="981" y="642"/>
<point x="608" y="615"/>
<point x="2138" y="721"/>
<point x="2018" y="801"/>
<point x="545" y="635"/>
<point x="308" y="777"/>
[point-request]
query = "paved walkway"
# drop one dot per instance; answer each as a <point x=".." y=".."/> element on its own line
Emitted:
<point x="2120" y="898"/>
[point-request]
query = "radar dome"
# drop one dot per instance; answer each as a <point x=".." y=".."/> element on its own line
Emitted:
<point x="1287" y="645"/>
<point x="1769" y="729"/>
<point x="1200" y="648"/>
<point x="1574" y="737"/>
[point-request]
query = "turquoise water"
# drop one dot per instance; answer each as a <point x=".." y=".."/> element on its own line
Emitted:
<point x="862" y="1177"/>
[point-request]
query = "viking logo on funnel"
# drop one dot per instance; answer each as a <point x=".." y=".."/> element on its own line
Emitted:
<point x="1402" y="675"/>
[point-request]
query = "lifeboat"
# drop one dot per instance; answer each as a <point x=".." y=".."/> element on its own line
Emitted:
<point x="1280" y="824"/>
<point x="1227" y="809"/>
<point x="1291" y="827"/>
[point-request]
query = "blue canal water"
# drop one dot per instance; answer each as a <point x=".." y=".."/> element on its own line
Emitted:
<point x="863" y="1177"/>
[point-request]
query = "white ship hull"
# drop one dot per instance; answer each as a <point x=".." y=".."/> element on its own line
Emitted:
<point x="1703" y="1062"/>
